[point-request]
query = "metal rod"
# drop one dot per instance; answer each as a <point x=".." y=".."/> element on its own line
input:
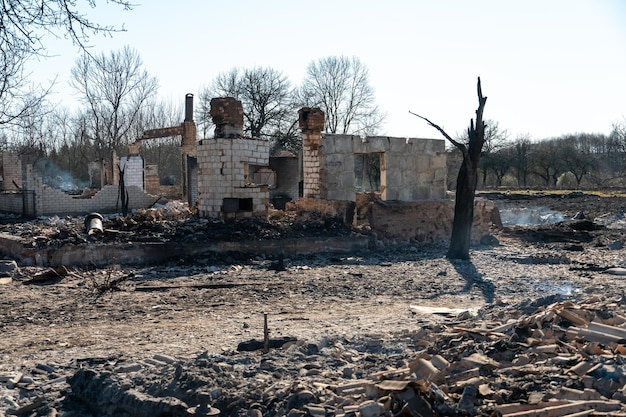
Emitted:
<point x="266" y="335"/>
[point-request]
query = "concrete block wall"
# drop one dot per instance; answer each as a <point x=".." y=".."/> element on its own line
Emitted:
<point x="287" y="176"/>
<point x="411" y="169"/>
<point x="11" y="171"/>
<point x="49" y="201"/>
<point x="12" y="202"/>
<point x="152" y="180"/>
<point x="344" y="211"/>
<point x="415" y="169"/>
<point x="226" y="170"/>
<point x="53" y="201"/>
<point x="337" y="167"/>
<point x="192" y="175"/>
<point x="132" y="166"/>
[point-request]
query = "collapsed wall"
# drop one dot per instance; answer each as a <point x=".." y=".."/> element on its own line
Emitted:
<point x="48" y="200"/>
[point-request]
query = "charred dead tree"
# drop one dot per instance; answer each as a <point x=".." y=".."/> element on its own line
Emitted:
<point x="122" y="195"/>
<point x="466" y="180"/>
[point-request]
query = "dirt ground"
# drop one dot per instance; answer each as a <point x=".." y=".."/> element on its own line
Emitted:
<point x="183" y="308"/>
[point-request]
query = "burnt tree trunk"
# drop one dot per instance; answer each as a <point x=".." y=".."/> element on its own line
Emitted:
<point x="466" y="181"/>
<point x="466" y="190"/>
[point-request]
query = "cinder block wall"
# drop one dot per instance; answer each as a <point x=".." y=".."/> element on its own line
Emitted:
<point x="11" y="171"/>
<point x="411" y="169"/>
<point x="133" y="171"/>
<point x="225" y="171"/>
<point x="50" y="200"/>
<point x="336" y="155"/>
<point x="12" y="202"/>
<point x="287" y="176"/>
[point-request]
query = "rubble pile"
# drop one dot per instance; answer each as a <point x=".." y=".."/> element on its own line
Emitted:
<point x="173" y="223"/>
<point x="547" y="357"/>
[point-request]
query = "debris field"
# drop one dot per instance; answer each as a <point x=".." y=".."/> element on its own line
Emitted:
<point x="533" y="325"/>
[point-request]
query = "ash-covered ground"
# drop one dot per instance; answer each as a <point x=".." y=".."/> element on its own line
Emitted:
<point x="352" y="333"/>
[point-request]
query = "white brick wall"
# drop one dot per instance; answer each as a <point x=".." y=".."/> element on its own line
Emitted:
<point x="221" y="172"/>
<point x="11" y="171"/>
<point x="133" y="171"/>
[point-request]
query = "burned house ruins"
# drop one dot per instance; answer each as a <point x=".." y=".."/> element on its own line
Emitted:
<point x="232" y="176"/>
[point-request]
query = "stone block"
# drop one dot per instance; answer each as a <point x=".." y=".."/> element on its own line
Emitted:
<point x="393" y="178"/>
<point x="378" y="144"/>
<point x="358" y="144"/>
<point x="409" y="178"/>
<point x="438" y="145"/>
<point x="343" y="144"/>
<point x="405" y="194"/>
<point x="421" y="193"/>
<point x="398" y="145"/>
<point x="390" y="193"/>
<point x="438" y="160"/>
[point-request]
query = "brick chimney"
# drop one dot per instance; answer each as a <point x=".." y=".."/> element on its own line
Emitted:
<point x="311" y="122"/>
<point x="227" y="114"/>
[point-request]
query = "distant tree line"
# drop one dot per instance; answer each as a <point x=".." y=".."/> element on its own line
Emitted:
<point x="570" y="161"/>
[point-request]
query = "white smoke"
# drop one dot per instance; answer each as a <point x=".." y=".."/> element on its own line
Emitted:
<point x="529" y="216"/>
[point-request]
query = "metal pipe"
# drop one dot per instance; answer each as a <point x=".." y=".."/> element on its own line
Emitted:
<point x="266" y="335"/>
<point x="189" y="107"/>
<point x="93" y="224"/>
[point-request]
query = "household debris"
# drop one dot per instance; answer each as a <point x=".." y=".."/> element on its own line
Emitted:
<point x="173" y="222"/>
<point x="8" y="269"/>
<point x="549" y="357"/>
<point x="93" y="225"/>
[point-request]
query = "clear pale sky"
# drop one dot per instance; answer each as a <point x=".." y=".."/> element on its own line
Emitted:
<point x="548" y="67"/>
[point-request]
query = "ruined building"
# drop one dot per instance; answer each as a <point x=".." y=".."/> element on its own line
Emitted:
<point x="396" y="185"/>
<point x="233" y="172"/>
<point x="410" y="169"/>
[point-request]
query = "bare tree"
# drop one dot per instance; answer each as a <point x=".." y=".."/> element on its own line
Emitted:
<point x="114" y="87"/>
<point x="163" y="152"/>
<point x="265" y="94"/>
<point x="69" y="151"/>
<point x="467" y="180"/>
<point x="616" y="148"/>
<point x="495" y="140"/>
<point x="546" y="161"/>
<point x="577" y="155"/>
<point x="24" y="23"/>
<point x="23" y="26"/>
<point x="340" y="87"/>
<point x="522" y="161"/>
<point x="501" y="163"/>
<point x="18" y="97"/>
<point x="28" y="135"/>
